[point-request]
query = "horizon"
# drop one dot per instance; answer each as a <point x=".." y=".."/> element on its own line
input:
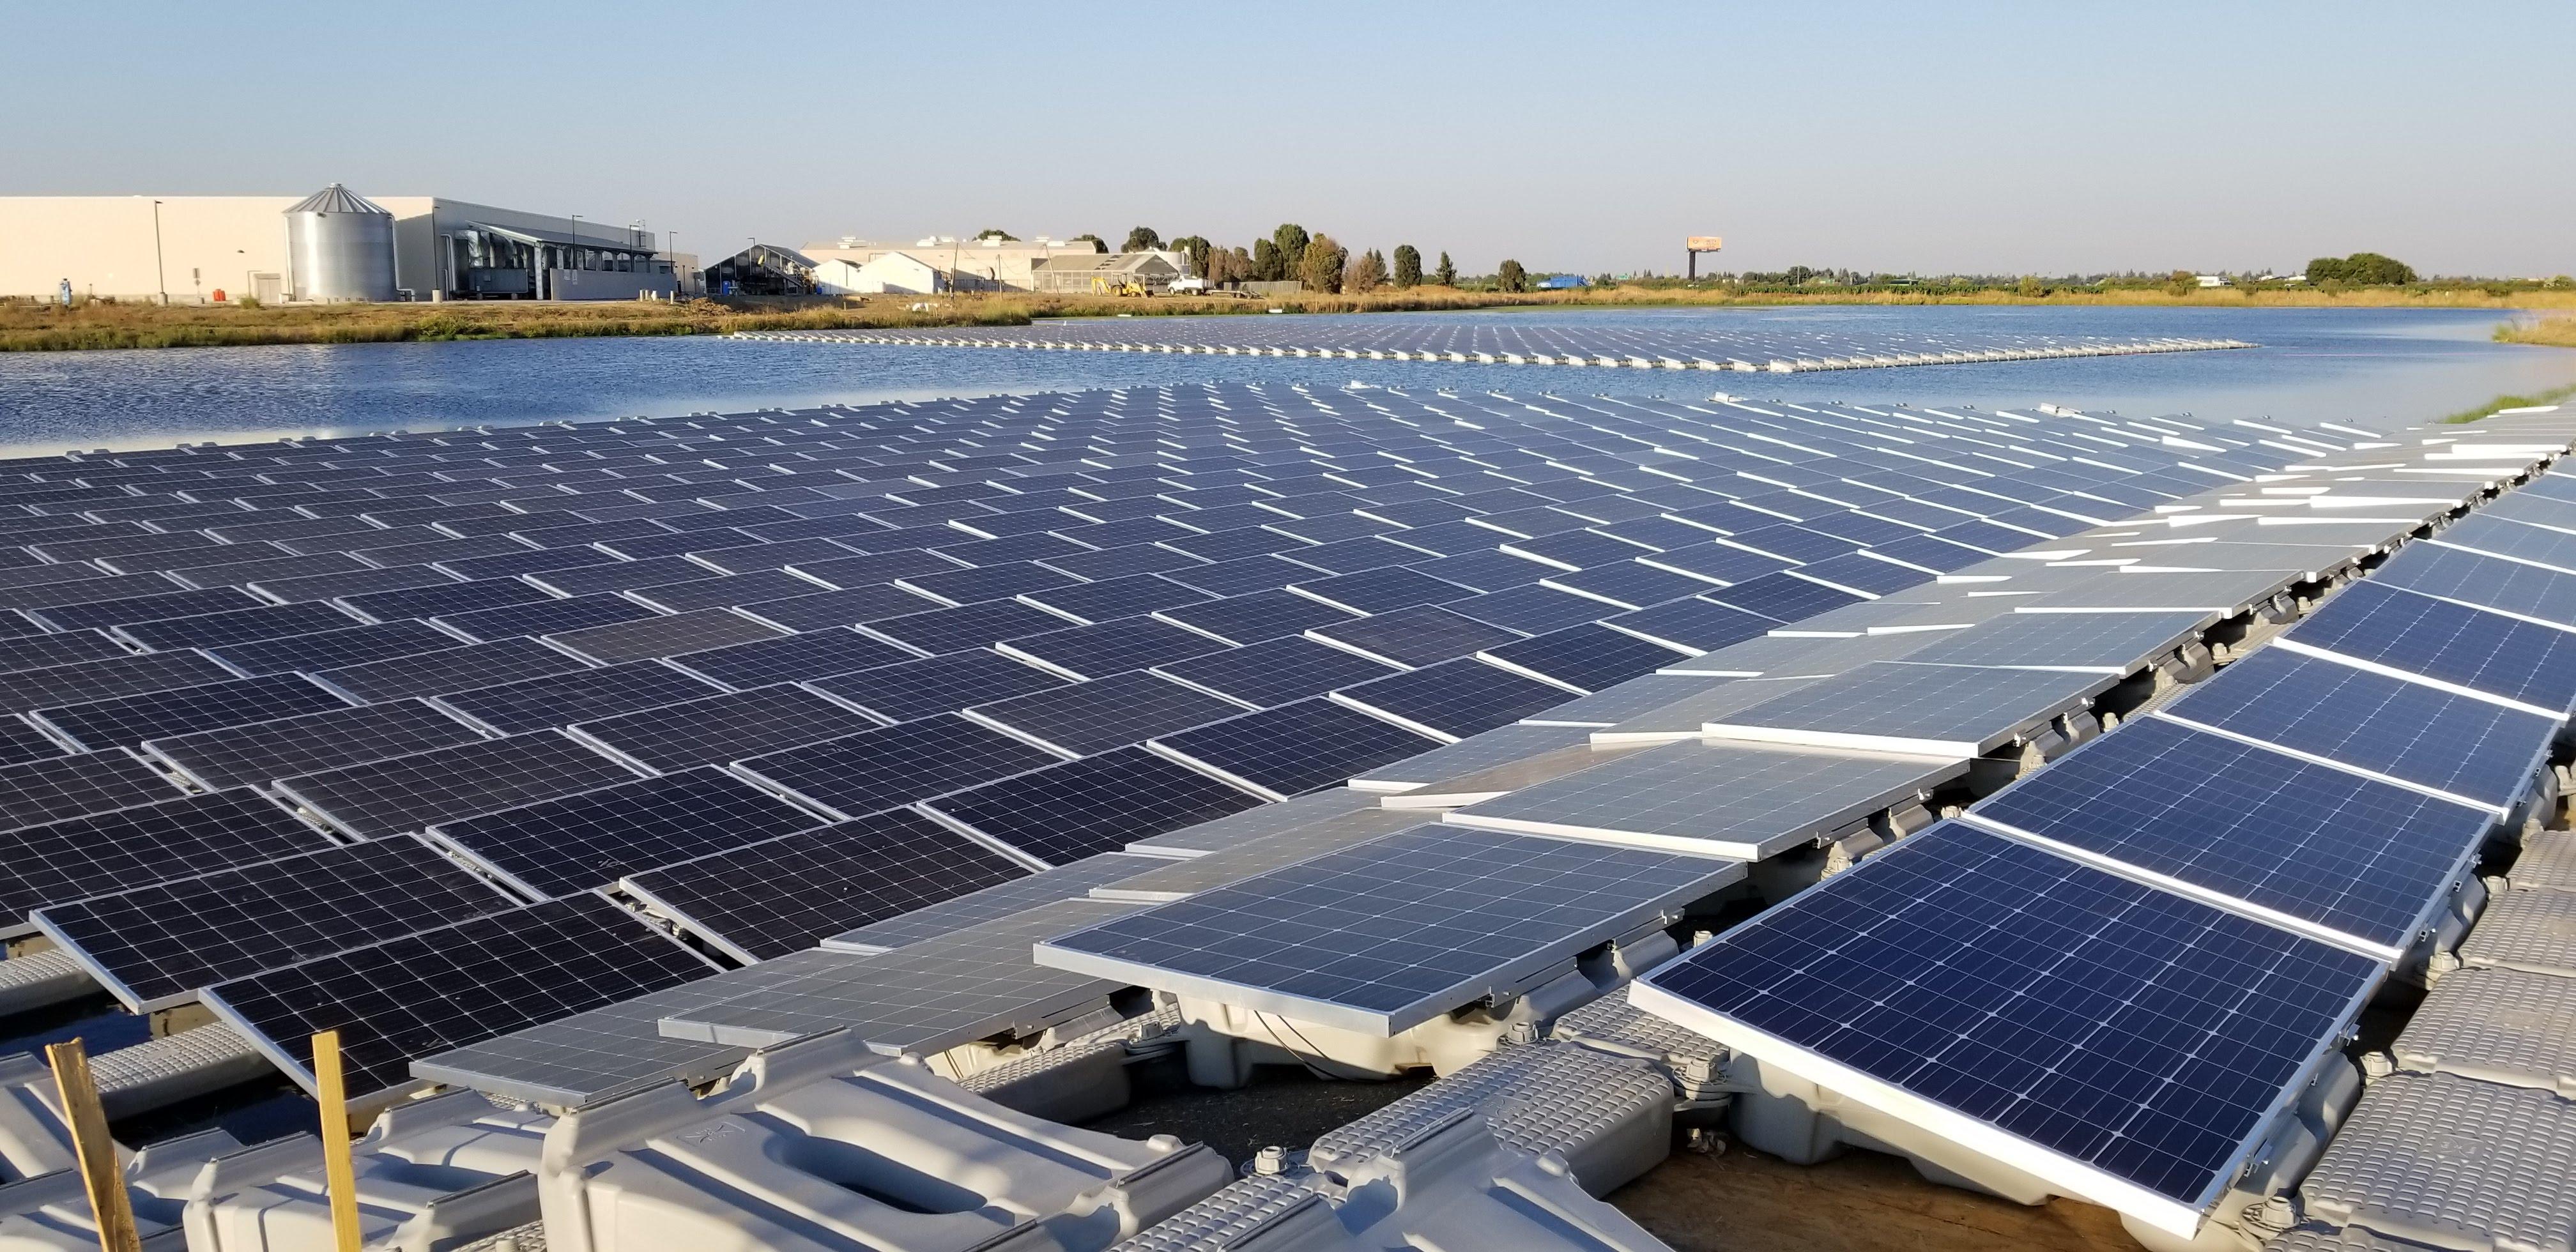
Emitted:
<point x="2004" y="139"/>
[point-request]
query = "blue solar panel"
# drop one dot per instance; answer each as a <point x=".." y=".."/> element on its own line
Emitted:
<point x="1697" y="624"/>
<point x="1587" y="658"/>
<point x="1455" y="698"/>
<point x="2525" y="662"/>
<point x="2359" y="858"/>
<point x="2408" y="731"/>
<point x="1782" y="598"/>
<point x="2486" y="581"/>
<point x="2135" y="1033"/>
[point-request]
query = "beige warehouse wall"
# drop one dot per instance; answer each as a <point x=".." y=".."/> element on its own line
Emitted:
<point x="103" y="244"/>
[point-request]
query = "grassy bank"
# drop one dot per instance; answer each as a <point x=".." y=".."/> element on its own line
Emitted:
<point x="2501" y="403"/>
<point x="2553" y="332"/>
<point x="30" y="327"/>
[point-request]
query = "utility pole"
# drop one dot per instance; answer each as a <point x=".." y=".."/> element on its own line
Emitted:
<point x="158" y="273"/>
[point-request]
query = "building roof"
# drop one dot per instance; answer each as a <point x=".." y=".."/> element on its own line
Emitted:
<point x="1105" y="263"/>
<point x="337" y="199"/>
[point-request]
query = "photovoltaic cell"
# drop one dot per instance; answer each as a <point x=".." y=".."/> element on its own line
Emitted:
<point x="444" y="784"/>
<point x="545" y="617"/>
<point x="129" y="720"/>
<point x="1105" y="713"/>
<point x="154" y="946"/>
<point x="1293" y="749"/>
<point x="450" y="669"/>
<point x="578" y="695"/>
<point x="1420" y="635"/>
<point x="1383" y="935"/>
<point x="783" y="895"/>
<point x="1275" y="671"/>
<point x="107" y="677"/>
<point x="893" y="765"/>
<point x="1076" y="809"/>
<point x="252" y="755"/>
<point x="1586" y="658"/>
<point x="662" y="636"/>
<point x="328" y="649"/>
<point x="714" y="729"/>
<point x="2470" y="748"/>
<point x="2348" y="855"/>
<point x="1255" y="617"/>
<point x="2142" y="1037"/>
<point x="1454" y="699"/>
<point x="440" y="989"/>
<point x="78" y="857"/>
<point x="790" y="658"/>
<point x="587" y="840"/>
<point x="1106" y="648"/>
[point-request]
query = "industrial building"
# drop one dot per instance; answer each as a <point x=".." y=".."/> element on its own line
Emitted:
<point x="1109" y="272"/>
<point x="982" y="263"/>
<point x="762" y="269"/>
<point x="891" y="273"/>
<point x="333" y="245"/>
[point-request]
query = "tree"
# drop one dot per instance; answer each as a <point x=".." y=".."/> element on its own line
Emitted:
<point x="1321" y="270"/>
<point x="1142" y="239"/>
<point x="1447" y="274"/>
<point x="1230" y="265"/>
<point x="1367" y="272"/>
<point x="1511" y="277"/>
<point x="1197" y="249"/>
<point x="1097" y="243"/>
<point x="996" y="235"/>
<point x="1267" y="267"/>
<point x="1408" y="265"/>
<point x="1291" y="241"/>
<point x="2360" y="269"/>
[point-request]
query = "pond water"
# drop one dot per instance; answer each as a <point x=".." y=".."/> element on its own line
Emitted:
<point x="2374" y="367"/>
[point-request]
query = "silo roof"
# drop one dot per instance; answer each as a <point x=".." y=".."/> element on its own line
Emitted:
<point x="337" y="199"/>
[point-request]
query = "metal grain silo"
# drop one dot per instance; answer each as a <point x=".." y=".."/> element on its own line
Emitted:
<point x="340" y="246"/>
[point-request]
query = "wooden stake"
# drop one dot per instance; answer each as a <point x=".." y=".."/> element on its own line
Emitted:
<point x="101" y="1173"/>
<point x="339" y="1174"/>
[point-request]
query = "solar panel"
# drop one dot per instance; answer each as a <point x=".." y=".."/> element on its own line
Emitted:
<point x="790" y="658"/>
<point x="545" y="617"/>
<point x="1861" y="575"/>
<point x="714" y="729"/>
<point x="1586" y="658"/>
<point x="79" y="857"/>
<point x="450" y="669"/>
<point x="1955" y="711"/>
<point x="2489" y="582"/>
<point x="1115" y="597"/>
<point x="1782" y="598"/>
<point x="2343" y="857"/>
<point x="590" y="1056"/>
<point x="1017" y="895"/>
<point x="579" y="695"/>
<point x="410" y="792"/>
<point x="1074" y="809"/>
<point x="720" y="592"/>
<point x="783" y="895"/>
<point x="2437" y="641"/>
<point x="154" y="946"/>
<point x="1106" y="648"/>
<point x="1715" y="799"/>
<point x="1292" y="749"/>
<point x="2479" y="751"/>
<point x="1255" y="617"/>
<point x="2118" y="1041"/>
<point x="64" y="648"/>
<point x="939" y="631"/>
<point x="586" y="840"/>
<point x="65" y="786"/>
<point x="2116" y="644"/>
<point x="439" y="598"/>
<point x="106" y="677"/>
<point x="63" y="615"/>
<point x="1104" y="713"/>
<point x="1384" y="935"/>
<point x="129" y="720"/>
<point x="251" y="755"/>
<point x="940" y="684"/>
<point x="919" y="1000"/>
<point x="1378" y="590"/>
<point x="1691" y="625"/>
<point x="329" y="649"/>
<point x="1420" y="635"/>
<point x="1531" y="609"/>
<point x="354" y="582"/>
<point x="1274" y="671"/>
<point x="444" y="988"/>
<point x="619" y="575"/>
<point x="663" y="636"/>
<point x="1453" y="699"/>
<point x="879" y="769"/>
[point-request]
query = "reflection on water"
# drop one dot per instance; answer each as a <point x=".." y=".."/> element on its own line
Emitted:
<point x="2374" y="367"/>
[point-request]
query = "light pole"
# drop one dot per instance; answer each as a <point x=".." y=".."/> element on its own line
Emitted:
<point x="158" y="273"/>
<point x="570" y="250"/>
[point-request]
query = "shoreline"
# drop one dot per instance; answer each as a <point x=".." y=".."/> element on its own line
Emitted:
<point x="101" y="326"/>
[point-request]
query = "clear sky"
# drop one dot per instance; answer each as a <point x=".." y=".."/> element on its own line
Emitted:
<point x="2043" y="137"/>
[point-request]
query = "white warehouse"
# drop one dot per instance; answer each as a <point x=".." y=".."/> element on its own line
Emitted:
<point x="199" y="249"/>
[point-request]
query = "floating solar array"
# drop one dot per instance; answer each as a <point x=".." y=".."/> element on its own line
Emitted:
<point x="1518" y="339"/>
<point x="772" y="677"/>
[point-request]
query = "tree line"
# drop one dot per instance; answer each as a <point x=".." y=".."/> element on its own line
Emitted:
<point x="1317" y="260"/>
